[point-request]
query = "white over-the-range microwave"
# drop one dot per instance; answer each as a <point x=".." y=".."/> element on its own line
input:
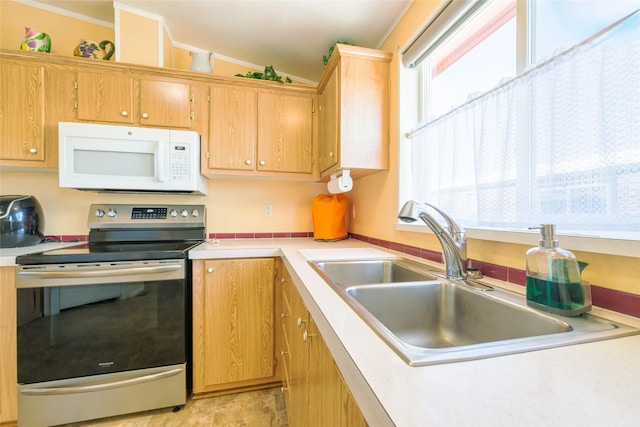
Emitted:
<point x="129" y="159"/>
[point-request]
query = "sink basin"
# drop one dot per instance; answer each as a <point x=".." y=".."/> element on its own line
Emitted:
<point x="427" y="319"/>
<point x="446" y="314"/>
<point x="349" y="273"/>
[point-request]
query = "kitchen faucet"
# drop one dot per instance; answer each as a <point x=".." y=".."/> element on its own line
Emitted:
<point x="452" y="239"/>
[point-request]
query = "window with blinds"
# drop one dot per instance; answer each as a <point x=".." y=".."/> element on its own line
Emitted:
<point x="557" y="143"/>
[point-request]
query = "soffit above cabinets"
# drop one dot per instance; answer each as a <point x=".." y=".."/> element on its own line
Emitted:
<point x="290" y="35"/>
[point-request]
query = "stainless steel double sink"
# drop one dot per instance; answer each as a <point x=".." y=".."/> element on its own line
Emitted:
<point x="427" y="319"/>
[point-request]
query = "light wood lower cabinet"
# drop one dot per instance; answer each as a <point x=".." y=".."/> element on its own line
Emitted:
<point x="315" y="391"/>
<point x="234" y="328"/>
<point x="8" y="349"/>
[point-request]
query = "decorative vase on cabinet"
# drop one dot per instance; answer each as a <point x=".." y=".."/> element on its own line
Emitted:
<point x="35" y="41"/>
<point x="201" y="61"/>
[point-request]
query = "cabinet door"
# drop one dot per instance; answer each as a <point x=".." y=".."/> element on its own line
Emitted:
<point x="238" y="320"/>
<point x="164" y="103"/>
<point x="315" y="392"/>
<point x="328" y="130"/>
<point x="298" y="412"/>
<point x="285" y="128"/>
<point x="351" y="414"/>
<point x="59" y="106"/>
<point x="8" y="347"/>
<point x="325" y="388"/>
<point x="21" y="112"/>
<point x="283" y="282"/>
<point x="364" y="113"/>
<point x="105" y="97"/>
<point x="232" y="128"/>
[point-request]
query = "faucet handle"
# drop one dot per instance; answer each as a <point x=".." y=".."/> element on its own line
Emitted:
<point x="452" y="227"/>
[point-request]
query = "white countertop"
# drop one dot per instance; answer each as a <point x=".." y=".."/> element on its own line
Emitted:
<point x="8" y="255"/>
<point x="594" y="384"/>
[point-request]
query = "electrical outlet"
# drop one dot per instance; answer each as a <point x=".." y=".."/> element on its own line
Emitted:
<point x="267" y="209"/>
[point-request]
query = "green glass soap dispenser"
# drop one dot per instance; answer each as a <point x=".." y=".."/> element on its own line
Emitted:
<point x="553" y="278"/>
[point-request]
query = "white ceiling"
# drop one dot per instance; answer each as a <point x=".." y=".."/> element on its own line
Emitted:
<point x="291" y="35"/>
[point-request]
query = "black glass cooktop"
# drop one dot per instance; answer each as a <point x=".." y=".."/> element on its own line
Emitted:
<point x="105" y="252"/>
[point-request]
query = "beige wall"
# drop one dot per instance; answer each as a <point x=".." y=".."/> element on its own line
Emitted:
<point x="376" y="216"/>
<point x="65" y="32"/>
<point x="233" y="206"/>
<point x="139" y="43"/>
<point x="167" y="49"/>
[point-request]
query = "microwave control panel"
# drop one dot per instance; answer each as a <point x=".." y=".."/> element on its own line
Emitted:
<point x="180" y="162"/>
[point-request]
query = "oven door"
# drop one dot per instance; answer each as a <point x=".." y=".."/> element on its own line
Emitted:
<point x="99" y="331"/>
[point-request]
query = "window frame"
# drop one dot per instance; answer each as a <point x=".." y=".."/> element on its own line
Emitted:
<point x="413" y="109"/>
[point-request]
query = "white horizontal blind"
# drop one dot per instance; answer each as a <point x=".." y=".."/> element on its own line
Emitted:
<point x="438" y="29"/>
<point x="558" y="144"/>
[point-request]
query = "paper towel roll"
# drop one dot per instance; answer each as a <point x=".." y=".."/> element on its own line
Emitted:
<point x="340" y="184"/>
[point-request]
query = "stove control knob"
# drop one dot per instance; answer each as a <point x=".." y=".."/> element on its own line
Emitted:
<point x="195" y="213"/>
<point x="99" y="213"/>
<point x="184" y="213"/>
<point x="173" y="213"/>
<point x="113" y="213"/>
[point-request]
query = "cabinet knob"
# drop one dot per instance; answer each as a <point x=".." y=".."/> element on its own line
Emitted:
<point x="145" y="115"/>
<point x="210" y="269"/>
<point x="283" y="280"/>
<point x="124" y="113"/>
<point x="331" y="154"/>
<point x="262" y="163"/>
<point x="282" y="353"/>
<point x="284" y="315"/>
<point x="33" y="150"/>
<point x="306" y="335"/>
<point x="247" y="162"/>
<point x="301" y="321"/>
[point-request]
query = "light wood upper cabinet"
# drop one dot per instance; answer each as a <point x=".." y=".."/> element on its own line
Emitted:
<point x="285" y="130"/>
<point x="260" y="132"/>
<point x="122" y="99"/>
<point x="105" y="97"/>
<point x="165" y="103"/>
<point x="233" y="325"/>
<point x="22" y="119"/>
<point x="33" y="99"/>
<point x="232" y="128"/>
<point x="328" y="131"/>
<point x="354" y="111"/>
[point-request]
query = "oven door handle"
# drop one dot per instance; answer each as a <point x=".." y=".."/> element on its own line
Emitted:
<point x="98" y="273"/>
<point x="99" y="387"/>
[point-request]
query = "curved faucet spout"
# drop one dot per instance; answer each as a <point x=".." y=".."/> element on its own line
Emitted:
<point x="452" y="239"/>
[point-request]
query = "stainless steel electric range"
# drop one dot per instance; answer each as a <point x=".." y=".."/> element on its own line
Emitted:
<point x="104" y="327"/>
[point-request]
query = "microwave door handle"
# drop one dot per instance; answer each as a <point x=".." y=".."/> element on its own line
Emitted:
<point x="163" y="148"/>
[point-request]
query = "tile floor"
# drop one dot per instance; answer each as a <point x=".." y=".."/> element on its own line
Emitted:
<point x="261" y="408"/>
